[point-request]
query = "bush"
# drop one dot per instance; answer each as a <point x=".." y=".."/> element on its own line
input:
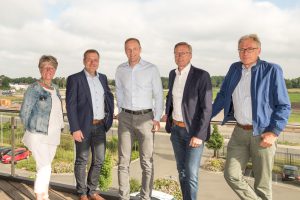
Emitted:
<point x="105" y="178"/>
<point x="112" y="145"/>
<point x="214" y="164"/>
<point x="168" y="186"/>
<point x="215" y="141"/>
<point x="135" y="185"/>
<point x="135" y="155"/>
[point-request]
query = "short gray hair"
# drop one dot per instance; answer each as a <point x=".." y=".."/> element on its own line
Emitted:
<point x="254" y="37"/>
<point x="183" y="44"/>
<point x="48" y="59"/>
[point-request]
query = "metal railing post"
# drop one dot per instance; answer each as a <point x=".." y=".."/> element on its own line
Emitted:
<point x="1" y="129"/>
<point x="12" y="163"/>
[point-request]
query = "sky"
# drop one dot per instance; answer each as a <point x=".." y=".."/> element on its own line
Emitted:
<point x="66" y="28"/>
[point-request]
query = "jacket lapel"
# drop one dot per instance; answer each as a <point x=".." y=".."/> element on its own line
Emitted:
<point x="172" y="78"/>
<point x="86" y="88"/>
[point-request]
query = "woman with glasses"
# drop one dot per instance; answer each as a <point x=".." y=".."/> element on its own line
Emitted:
<point x="41" y="114"/>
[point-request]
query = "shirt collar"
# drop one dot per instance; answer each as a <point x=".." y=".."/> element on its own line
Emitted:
<point x="184" y="70"/>
<point x="249" y="69"/>
<point x="88" y="75"/>
<point x="140" y="63"/>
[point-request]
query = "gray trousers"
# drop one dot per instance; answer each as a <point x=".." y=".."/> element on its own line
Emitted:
<point x="241" y="147"/>
<point x="139" y="126"/>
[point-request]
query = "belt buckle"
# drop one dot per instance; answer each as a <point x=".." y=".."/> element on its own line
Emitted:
<point x="178" y="123"/>
<point x="97" y="122"/>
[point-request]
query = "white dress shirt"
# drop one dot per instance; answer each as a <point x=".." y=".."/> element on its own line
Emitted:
<point x="177" y="92"/>
<point x="241" y="98"/>
<point x="97" y="95"/>
<point x="138" y="86"/>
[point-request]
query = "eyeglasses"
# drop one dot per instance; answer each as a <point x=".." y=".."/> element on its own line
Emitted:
<point x="181" y="53"/>
<point x="248" y="50"/>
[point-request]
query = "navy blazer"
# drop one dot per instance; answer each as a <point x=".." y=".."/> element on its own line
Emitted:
<point x="79" y="103"/>
<point x="196" y="103"/>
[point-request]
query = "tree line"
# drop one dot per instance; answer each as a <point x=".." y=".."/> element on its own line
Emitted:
<point x="61" y="81"/>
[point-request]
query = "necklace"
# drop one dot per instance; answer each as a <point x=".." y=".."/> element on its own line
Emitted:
<point x="46" y="85"/>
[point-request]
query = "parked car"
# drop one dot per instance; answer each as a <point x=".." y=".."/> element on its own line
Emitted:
<point x="290" y="173"/>
<point x="20" y="154"/>
<point x="4" y="150"/>
<point x="156" y="195"/>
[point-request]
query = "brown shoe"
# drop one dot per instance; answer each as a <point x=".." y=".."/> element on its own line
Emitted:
<point x="83" y="197"/>
<point x="96" y="196"/>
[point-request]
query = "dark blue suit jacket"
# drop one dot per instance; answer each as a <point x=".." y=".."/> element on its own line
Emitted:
<point x="79" y="103"/>
<point x="196" y="103"/>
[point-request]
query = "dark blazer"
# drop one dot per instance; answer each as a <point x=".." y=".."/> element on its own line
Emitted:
<point x="79" y="103"/>
<point x="196" y="103"/>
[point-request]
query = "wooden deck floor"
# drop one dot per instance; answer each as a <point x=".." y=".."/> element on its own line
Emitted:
<point x="21" y="188"/>
<point x="19" y="191"/>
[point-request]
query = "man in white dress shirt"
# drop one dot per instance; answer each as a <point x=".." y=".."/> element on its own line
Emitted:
<point x="138" y="83"/>
<point x="188" y="112"/>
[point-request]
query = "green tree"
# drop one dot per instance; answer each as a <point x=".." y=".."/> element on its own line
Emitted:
<point x="288" y="83"/>
<point x="111" y="82"/>
<point x="5" y="82"/>
<point x="217" y="81"/>
<point x="215" y="141"/>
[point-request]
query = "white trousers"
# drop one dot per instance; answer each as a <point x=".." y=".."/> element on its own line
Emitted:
<point x="43" y="155"/>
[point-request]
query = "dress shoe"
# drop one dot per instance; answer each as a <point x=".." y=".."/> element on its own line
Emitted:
<point x="96" y="196"/>
<point x="83" y="197"/>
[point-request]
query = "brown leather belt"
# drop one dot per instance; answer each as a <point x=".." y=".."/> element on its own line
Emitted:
<point x="245" y="127"/>
<point x="137" y="112"/>
<point x="98" y="121"/>
<point x="179" y="123"/>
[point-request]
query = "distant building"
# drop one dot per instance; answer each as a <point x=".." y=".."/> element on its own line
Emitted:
<point x="19" y="86"/>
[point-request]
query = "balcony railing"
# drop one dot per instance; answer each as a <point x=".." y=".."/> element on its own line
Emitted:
<point x="10" y="121"/>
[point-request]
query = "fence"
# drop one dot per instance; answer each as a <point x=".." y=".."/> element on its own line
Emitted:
<point x="282" y="158"/>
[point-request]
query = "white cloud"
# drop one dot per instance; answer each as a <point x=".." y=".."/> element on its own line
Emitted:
<point x="67" y="28"/>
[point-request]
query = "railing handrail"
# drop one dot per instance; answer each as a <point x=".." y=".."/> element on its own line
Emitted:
<point x="296" y="126"/>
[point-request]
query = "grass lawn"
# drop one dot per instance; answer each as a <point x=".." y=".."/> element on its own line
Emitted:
<point x="295" y="116"/>
<point x="294" y="97"/>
